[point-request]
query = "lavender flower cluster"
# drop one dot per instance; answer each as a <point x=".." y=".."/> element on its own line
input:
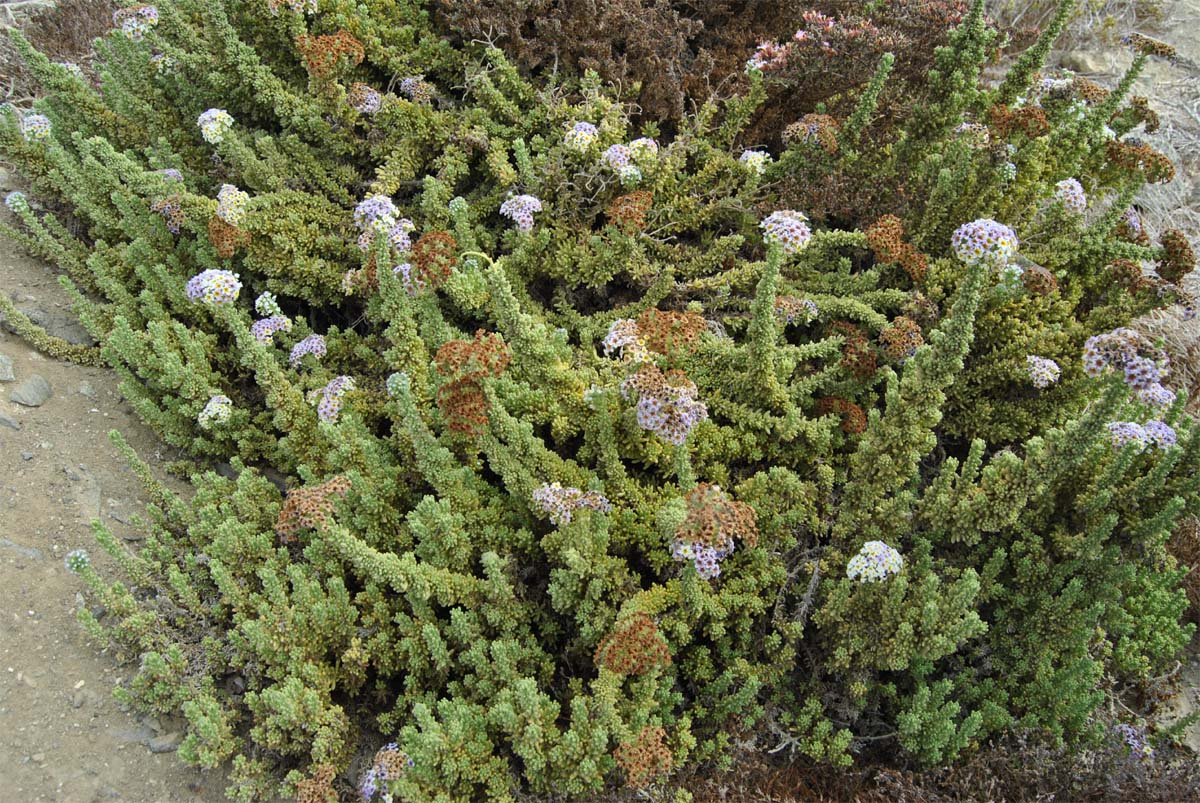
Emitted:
<point x="313" y="344"/>
<point x="35" y="127"/>
<point x="788" y="229"/>
<point x="1130" y="433"/>
<point x="264" y="329"/>
<point x="214" y="125"/>
<point x="1135" y="739"/>
<point x="76" y="561"/>
<point x="214" y="287"/>
<point x="520" y="209"/>
<point x="562" y="502"/>
<point x="217" y="411"/>
<point x="625" y="337"/>
<point x="1127" y="351"/>
<point x="671" y="411"/>
<point x="231" y="204"/>
<point x="135" y="22"/>
<point x="581" y="136"/>
<point x="390" y="763"/>
<point x="705" y="559"/>
<point x="376" y="214"/>
<point x="329" y="398"/>
<point x="1070" y="193"/>
<point x="984" y="240"/>
<point x="875" y="562"/>
<point x="1044" y="372"/>
<point x="365" y="99"/>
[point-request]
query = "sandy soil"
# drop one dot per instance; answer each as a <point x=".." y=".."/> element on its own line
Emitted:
<point x="62" y="737"/>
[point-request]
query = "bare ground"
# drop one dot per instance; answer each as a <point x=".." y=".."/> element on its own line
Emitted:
<point x="63" y="738"/>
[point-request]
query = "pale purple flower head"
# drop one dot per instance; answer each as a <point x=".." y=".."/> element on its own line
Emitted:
<point x="264" y="330"/>
<point x="1157" y="396"/>
<point x="1127" y="433"/>
<point x="216" y="411"/>
<point x="1070" y="192"/>
<point x="581" y="136"/>
<point x="788" y="229"/>
<point x="984" y="240"/>
<point x="214" y="125"/>
<point x="1042" y="371"/>
<point x="561" y="503"/>
<point x="875" y="562"/>
<point x="313" y="344"/>
<point x="35" y="127"/>
<point x="214" y="287"/>
<point x="520" y="209"/>
<point x="1160" y="434"/>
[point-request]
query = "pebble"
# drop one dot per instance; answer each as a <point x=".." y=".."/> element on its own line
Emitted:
<point x="167" y="743"/>
<point x="26" y="455"/>
<point x="60" y="325"/>
<point x="6" y="369"/>
<point x="8" y="421"/>
<point x="33" y="392"/>
<point x="86" y="389"/>
<point x="32" y="553"/>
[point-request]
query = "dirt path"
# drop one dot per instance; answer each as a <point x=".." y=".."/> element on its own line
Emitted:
<point x="62" y="736"/>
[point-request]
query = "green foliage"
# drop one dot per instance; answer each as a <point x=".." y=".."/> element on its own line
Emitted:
<point x="518" y="455"/>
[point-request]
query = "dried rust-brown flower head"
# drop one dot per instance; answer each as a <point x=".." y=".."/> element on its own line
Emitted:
<point x="1038" y="280"/>
<point x="318" y="788"/>
<point x="628" y="212"/>
<point x="669" y="332"/>
<point x="713" y="519"/>
<point x="644" y="757"/>
<point x="309" y="508"/>
<point x="901" y="339"/>
<point x="858" y="357"/>
<point x="323" y="54"/>
<point x="634" y="647"/>
<point x="885" y="237"/>
<point x="1179" y="259"/>
<point x="226" y="239"/>
<point x="433" y="255"/>
<point x="816" y="128"/>
<point x="854" y="420"/>
<point x="465" y="364"/>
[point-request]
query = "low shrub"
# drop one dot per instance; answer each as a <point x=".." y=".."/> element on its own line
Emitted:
<point x="609" y="450"/>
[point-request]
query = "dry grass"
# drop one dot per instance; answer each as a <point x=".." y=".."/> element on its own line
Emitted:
<point x="1094" y="20"/>
<point x="63" y="31"/>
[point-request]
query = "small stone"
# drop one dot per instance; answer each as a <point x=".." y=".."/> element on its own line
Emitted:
<point x="58" y="324"/>
<point x="167" y="743"/>
<point x="6" y="368"/>
<point x="26" y="455"/>
<point x="33" y="392"/>
<point x="32" y="553"/>
<point x="1085" y="61"/>
<point x="11" y="423"/>
<point x="72" y="474"/>
<point x="79" y="699"/>
<point x="38" y="758"/>
<point x="86" y="389"/>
